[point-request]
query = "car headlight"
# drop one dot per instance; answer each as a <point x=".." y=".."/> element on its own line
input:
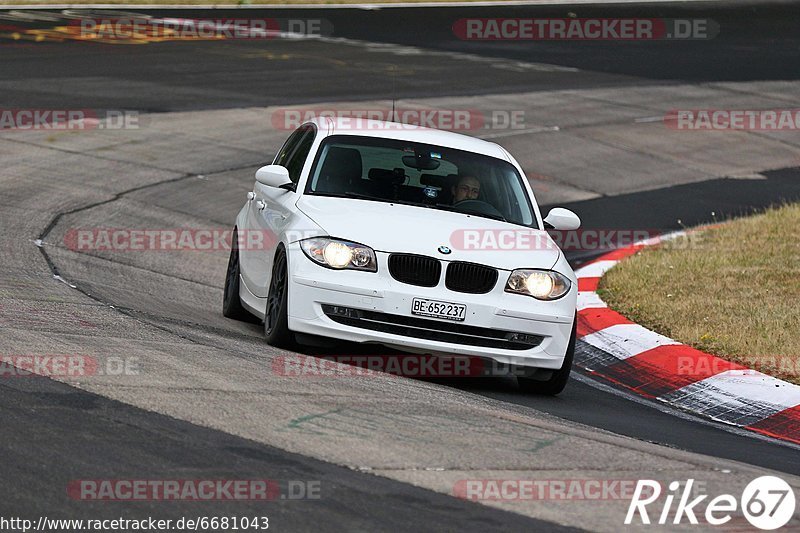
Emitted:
<point x="541" y="284"/>
<point x="339" y="254"/>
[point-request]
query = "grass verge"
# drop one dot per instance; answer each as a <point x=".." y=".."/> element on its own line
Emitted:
<point x="732" y="291"/>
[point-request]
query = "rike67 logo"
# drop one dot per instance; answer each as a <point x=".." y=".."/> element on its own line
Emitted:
<point x="767" y="502"/>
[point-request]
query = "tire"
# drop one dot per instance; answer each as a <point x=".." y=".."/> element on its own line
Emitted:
<point x="276" y="318"/>
<point x="560" y="377"/>
<point x="231" y="303"/>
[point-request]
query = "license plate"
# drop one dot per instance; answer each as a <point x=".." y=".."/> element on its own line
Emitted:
<point x="437" y="309"/>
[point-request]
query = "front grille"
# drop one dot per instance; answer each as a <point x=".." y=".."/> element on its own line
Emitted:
<point x="415" y="269"/>
<point x="434" y="330"/>
<point x="471" y="278"/>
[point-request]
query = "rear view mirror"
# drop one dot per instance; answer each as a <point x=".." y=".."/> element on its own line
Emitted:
<point x="563" y="219"/>
<point x="273" y="176"/>
<point x="420" y="162"/>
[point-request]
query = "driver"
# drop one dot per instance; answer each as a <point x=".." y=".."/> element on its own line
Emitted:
<point x="466" y="188"/>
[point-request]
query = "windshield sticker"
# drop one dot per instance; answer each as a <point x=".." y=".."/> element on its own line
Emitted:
<point x="431" y="192"/>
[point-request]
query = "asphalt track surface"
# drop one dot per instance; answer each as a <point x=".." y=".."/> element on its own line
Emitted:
<point x="757" y="42"/>
<point x="53" y="434"/>
<point x="48" y="437"/>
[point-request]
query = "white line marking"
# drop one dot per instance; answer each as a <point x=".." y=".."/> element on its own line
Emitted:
<point x="626" y="340"/>
<point x="661" y="238"/>
<point x="644" y="120"/>
<point x="676" y="412"/>
<point x="511" y="133"/>
<point x="596" y="269"/>
<point x="590" y="300"/>
<point x="62" y="280"/>
<point x="408" y="50"/>
<point x="742" y="388"/>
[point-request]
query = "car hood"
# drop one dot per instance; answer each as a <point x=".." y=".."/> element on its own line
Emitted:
<point x="417" y="230"/>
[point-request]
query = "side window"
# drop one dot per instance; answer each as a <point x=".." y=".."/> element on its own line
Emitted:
<point x="298" y="157"/>
<point x="288" y="147"/>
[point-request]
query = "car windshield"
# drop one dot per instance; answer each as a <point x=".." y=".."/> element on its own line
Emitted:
<point x="434" y="177"/>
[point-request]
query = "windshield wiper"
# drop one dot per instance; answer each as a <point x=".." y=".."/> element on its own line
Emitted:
<point x="485" y="215"/>
<point x="359" y="196"/>
<point x="354" y="195"/>
<point x="454" y="209"/>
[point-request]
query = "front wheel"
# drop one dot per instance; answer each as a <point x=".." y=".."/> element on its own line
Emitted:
<point x="556" y="383"/>
<point x="276" y="318"/>
<point x="231" y="303"/>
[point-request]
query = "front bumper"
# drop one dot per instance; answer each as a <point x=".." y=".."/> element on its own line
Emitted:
<point x="318" y="297"/>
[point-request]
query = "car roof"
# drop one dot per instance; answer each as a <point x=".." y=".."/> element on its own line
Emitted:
<point x="407" y="132"/>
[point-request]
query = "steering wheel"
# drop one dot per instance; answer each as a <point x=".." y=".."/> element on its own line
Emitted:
<point x="478" y="206"/>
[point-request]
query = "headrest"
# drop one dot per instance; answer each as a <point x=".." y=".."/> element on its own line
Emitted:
<point x="433" y="180"/>
<point x="342" y="162"/>
<point x="397" y="175"/>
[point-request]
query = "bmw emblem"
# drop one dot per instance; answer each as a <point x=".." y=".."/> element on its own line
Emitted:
<point x="444" y="249"/>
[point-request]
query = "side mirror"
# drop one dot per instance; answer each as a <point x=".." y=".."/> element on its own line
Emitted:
<point x="563" y="219"/>
<point x="273" y="176"/>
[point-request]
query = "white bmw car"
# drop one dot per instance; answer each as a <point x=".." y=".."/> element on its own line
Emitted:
<point x="361" y="224"/>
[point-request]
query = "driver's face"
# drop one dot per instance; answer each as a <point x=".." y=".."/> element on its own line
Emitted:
<point x="467" y="189"/>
